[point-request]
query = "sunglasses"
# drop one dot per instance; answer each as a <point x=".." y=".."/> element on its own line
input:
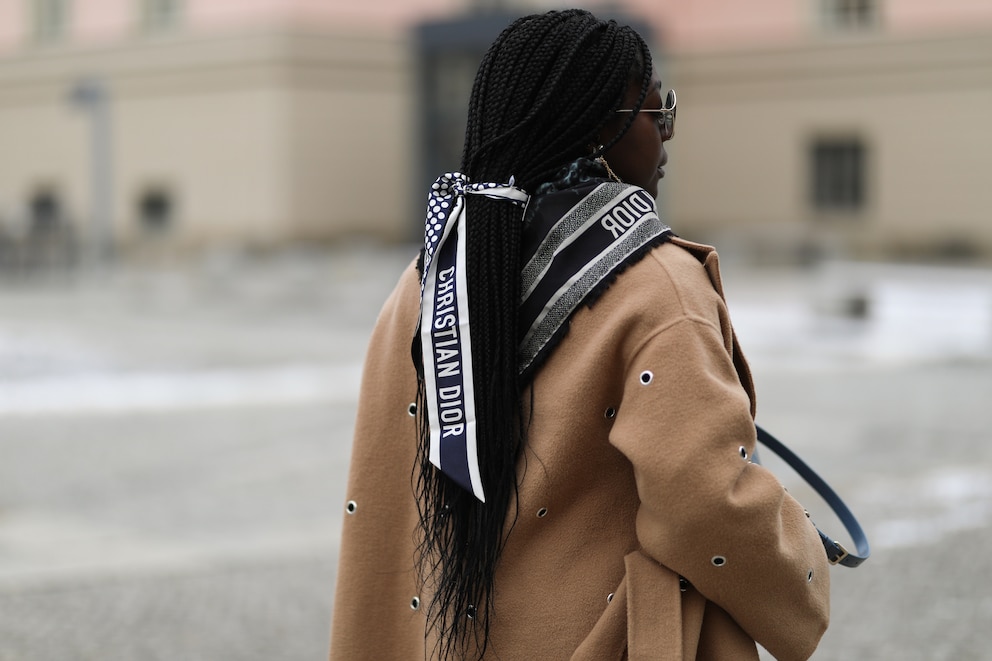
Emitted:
<point x="666" y="115"/>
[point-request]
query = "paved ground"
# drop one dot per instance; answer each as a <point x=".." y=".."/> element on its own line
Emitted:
<point x="173" y="447"/>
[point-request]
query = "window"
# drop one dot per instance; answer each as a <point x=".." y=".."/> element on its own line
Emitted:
<point x="51" y="20"/>
<point x="158" y="16"/>
<point x="44" y="211"/>
<point x="849" y="14"/>
<point x="155" y="210"/>
<point x="837" y="174"/>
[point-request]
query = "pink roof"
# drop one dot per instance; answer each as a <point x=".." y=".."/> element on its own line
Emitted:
<point x="683" y="25"/>
<point x="700" y="25"/>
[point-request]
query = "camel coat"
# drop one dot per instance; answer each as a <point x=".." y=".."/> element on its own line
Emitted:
<point x="636" y="473"/>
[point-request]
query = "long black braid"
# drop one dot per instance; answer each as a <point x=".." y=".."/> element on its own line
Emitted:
<point x="544" y="91"/>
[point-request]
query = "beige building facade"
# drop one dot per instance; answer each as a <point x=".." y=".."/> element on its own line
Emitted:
<point x="260" y="137"/>
<point x="804" y="125"/>
<point x="875" y="145"/>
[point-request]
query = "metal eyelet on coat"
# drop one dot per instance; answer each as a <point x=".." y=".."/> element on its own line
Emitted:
<point x="718" y="561"/>
<point x="543" y="512"/>
<point x="415" y="603"/>
<point x="350" y="507"/>
<point x="610" y="413"/>
<point x="412" y="409"/>
<point x="647" y="376"/>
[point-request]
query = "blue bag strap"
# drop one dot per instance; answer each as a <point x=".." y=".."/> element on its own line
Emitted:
<point x="836" y="553"/>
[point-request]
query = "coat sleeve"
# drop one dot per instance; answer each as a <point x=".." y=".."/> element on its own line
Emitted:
<point x="706" y="512"/>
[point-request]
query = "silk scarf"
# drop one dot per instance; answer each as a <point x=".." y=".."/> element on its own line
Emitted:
<point x="575" y="242"/>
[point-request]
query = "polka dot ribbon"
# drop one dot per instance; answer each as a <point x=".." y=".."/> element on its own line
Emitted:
<point x="445" y="336"/>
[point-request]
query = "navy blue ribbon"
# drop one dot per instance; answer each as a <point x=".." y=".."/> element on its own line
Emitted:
<point x="445" y="336"/>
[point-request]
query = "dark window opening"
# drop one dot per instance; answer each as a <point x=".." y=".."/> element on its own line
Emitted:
<point x="51" y="20"/>
<point x="850" y="14"/>
<point x="161" y="15"/>
<point x="44" y="212"/>
<point x="155" y="211"/>
<point x="838" y="175"/>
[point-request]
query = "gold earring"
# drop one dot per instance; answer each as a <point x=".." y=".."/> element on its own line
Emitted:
<point x="602" y="161"/>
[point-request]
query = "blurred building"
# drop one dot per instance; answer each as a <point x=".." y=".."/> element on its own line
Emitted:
<point x="849" y="125"/>
<point x="170" y="124"/>
<point x="804" y="125"/>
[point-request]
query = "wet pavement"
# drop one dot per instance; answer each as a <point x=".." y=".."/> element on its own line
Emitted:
<point x="174" y="444"/>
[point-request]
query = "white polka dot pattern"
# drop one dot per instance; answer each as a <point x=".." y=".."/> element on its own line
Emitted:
<point x="445" y="200"/>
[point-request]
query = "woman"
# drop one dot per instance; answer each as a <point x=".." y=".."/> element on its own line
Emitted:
<point x="562" y="471"/>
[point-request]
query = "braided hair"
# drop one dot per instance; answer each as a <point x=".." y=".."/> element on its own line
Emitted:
<point x="543" y="92"/>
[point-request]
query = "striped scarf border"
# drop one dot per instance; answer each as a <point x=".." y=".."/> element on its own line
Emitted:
<point x="581" y="249"/>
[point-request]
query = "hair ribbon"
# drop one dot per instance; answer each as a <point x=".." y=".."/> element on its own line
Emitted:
<point x="445" y="331"/>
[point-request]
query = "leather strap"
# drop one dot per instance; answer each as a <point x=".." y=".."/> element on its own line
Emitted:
<point x="836" y="553"/>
